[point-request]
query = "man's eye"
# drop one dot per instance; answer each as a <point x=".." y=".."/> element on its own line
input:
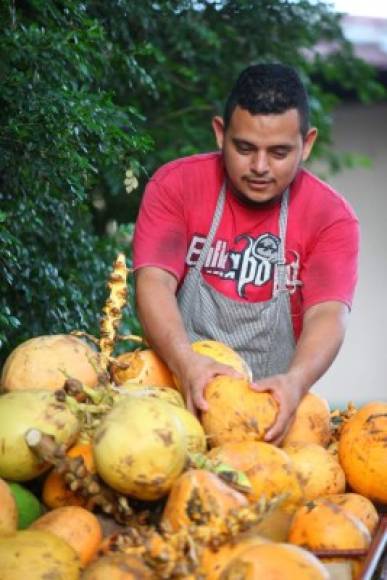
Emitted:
<point x="243" y="148"/>
<point x="280" y="153"/>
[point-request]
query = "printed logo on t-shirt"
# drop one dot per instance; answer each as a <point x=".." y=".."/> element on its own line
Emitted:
<point x="253" y="264"/>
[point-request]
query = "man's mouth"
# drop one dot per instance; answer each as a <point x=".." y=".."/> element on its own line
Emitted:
<point x="258" y="183"/>
<point x="257" y="180"/>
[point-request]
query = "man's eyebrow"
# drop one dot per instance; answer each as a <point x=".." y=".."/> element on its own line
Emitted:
<point x="284" y="146"/>
<point x="277" y="147"/>
<point x="242" y="142"/>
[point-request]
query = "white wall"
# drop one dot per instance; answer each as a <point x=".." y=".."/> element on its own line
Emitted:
<point x="360" y="370"/>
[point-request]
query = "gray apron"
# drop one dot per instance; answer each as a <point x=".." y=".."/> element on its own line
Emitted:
<point x="261" y="332"/>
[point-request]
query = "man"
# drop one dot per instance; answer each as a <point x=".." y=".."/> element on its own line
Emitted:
<point x="246" y="247"/>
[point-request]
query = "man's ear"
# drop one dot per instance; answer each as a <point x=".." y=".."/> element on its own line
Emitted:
<point x="218" y="127"/>
<point x="309" y="140"/>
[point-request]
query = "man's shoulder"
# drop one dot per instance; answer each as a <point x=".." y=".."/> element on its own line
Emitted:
<point x="320" y="195"/>
<point x="191" y="166"/>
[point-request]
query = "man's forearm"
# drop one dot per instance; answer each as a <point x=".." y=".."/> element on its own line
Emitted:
<point x="160" y="318"/>
<point x="321" y="338"/>
<point x="163" y="326"/>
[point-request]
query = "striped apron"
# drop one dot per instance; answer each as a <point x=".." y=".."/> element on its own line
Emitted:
<point x="261" y="332"/>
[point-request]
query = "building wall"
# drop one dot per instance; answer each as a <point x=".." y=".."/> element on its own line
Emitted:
<point x="360" y="371"/>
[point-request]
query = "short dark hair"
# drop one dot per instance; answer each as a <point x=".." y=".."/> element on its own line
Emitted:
<point x="266" y="89"/>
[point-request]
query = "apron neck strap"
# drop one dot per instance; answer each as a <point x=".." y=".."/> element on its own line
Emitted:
<point x="280" y="267"/>
<point x="280" y="273"/>
<point x="214" y="226"/>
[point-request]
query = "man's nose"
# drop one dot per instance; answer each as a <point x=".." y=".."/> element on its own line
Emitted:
<point x="260" y="162"/>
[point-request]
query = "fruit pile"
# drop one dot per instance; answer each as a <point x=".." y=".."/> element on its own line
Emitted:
<point x="105" y="474"/>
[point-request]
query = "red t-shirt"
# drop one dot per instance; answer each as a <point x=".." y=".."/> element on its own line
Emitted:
<point x="322" y="234"/>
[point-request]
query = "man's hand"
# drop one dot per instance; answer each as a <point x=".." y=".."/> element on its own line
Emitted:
<point x="288" y="396"/>
<point x="197" y="372"/>
<point x="321" y="337"/>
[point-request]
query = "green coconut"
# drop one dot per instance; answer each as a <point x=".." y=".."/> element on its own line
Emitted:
<point x="28" y="506"/>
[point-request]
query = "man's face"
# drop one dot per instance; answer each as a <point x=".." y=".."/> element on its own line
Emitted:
<point x="262" y="153"/>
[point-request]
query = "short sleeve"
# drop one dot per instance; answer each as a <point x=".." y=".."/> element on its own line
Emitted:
<point x="160" y="237"/>
<point x="330" y="270"/>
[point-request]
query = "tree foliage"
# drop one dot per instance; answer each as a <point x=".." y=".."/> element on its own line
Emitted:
<point x="90" y="89"/>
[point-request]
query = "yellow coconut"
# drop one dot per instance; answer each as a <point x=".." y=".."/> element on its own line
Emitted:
<point x="118" y="567"/>
<point x="142" y="367"/>
<point x="24" y="410"/>
<point x="214" y="560"/>
<point x="196" y="437"/>
<point x="140" y="447"/>
<point x="75" y="525"/>
<point x="37" y="554"/>
<point x="333" y="449"/>
<point x="269" y="469"/>
<point x="359" y="506"/>
<point x="45" y="362"/>
<point x="311" y="423"/>
<point x="363" y="451"/>
<point x="224" y="354"/>
<point x="236" y="412"/>
<point x="275" y="562"/>
<point x="319" y="472"/>
<point x="323" y="525"/>
<point x="157" y="392"/>
<point x="8" y="510"/>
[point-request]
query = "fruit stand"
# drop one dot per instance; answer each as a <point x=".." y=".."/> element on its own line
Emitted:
<point x="105" y="473"/>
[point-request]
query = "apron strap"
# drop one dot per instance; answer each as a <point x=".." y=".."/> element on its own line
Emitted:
<point x="214" y="226"/>
<point x="280" y="268"/>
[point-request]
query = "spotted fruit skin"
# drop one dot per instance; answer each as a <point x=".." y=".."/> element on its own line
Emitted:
<point x="269" y="469"/>
<point x="358" y="506"/>
<point x="317" y="469"/>
<point x="224" y="354"/>
<point x="142" y="367"/>
<point x="324" y="525"/>
<point x="45" y="362"/>
<point x="363" y="451"/>
<point x="140" y="448"/>
<point x="198" y="496"/>
<point x="37" y="554"/>
<point x="167" y="394"/>
<point x="311" y="423"/>
<point x="24" y="410"/>
<point x="236" y="412"/>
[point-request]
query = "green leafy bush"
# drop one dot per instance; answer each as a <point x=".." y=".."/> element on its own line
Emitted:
<point x="61" y="132"/>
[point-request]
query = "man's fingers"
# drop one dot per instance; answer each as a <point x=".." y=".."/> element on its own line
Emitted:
<point x="199" y="400"/>
<point x="194" y="400"/>
<point x="189" y="403"/>
<point x="276" y="429"/>
<point x="221" y="369"/>
<point x="272" y="435"/>
<point x="235" y="373"/>
<point x="277" y="441"/>
<point x="260" y="387"/>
